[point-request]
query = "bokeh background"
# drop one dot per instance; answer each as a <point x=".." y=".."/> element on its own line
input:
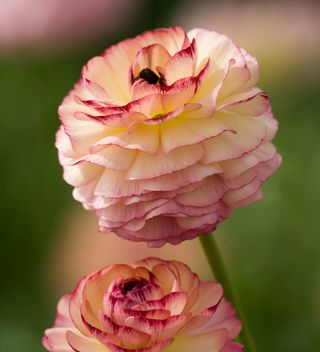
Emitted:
<point x="48" y="241"/>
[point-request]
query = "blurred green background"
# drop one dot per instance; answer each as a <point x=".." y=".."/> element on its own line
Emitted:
<point x="272" y="248"/>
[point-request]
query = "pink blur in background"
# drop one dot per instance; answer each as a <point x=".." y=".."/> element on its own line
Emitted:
<point x="47" y="23"/>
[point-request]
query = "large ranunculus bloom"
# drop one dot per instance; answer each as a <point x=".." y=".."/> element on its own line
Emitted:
<point x="166" y="133"/>
<point x="150" y="306"/>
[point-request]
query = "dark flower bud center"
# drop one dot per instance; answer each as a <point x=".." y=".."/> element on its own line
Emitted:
<point x="131" y="284"/>
<point x="149" y="76"/>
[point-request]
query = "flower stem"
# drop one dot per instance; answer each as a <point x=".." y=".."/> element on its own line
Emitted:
<point x="218" y="268"/>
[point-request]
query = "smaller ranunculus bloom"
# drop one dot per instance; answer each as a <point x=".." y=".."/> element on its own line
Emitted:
<point x="150" y="306"/>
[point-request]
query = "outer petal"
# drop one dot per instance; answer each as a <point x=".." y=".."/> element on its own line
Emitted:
<point x="208" y="342"/>
<point x="254" y="105"/>
<point x="159" y="230"/>
<point x="82" y="173"/>
<point x="112" y="157"/>
<point x="232" y="347"/>
<point x="210" y="44"/>
<point x="235" y="167"/>
<point x="210" y="294"/>
<point x="84" y="344"/>
<point x="121" y="213"/>
<point x="150" y="262"/>
<point x="181" y="178"/>
<point x="159" y="347"/>
<point x="188" y="131"/>
<point x="225" y="317"/>
<point x="66" y="153"/>
<point x="147" y="166"/>
<point x="54" y="340"/>
<point x="103" y="71"/>
<point x="209" y="191"/>
<point x="75" y="305"/>
<point x="220" y="50"/>
<point x="63" y="316"/>
<point x="143" y="137"/>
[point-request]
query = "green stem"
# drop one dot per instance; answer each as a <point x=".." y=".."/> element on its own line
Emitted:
<point x="218" y="268"/>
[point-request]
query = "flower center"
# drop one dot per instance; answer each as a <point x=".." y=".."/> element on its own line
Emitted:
<point x="131" y="284"/>
<point x="149" y="76"/>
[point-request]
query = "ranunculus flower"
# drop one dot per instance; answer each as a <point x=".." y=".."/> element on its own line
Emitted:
<point x="166" y="133"/>
<point x="150" y="306"/>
